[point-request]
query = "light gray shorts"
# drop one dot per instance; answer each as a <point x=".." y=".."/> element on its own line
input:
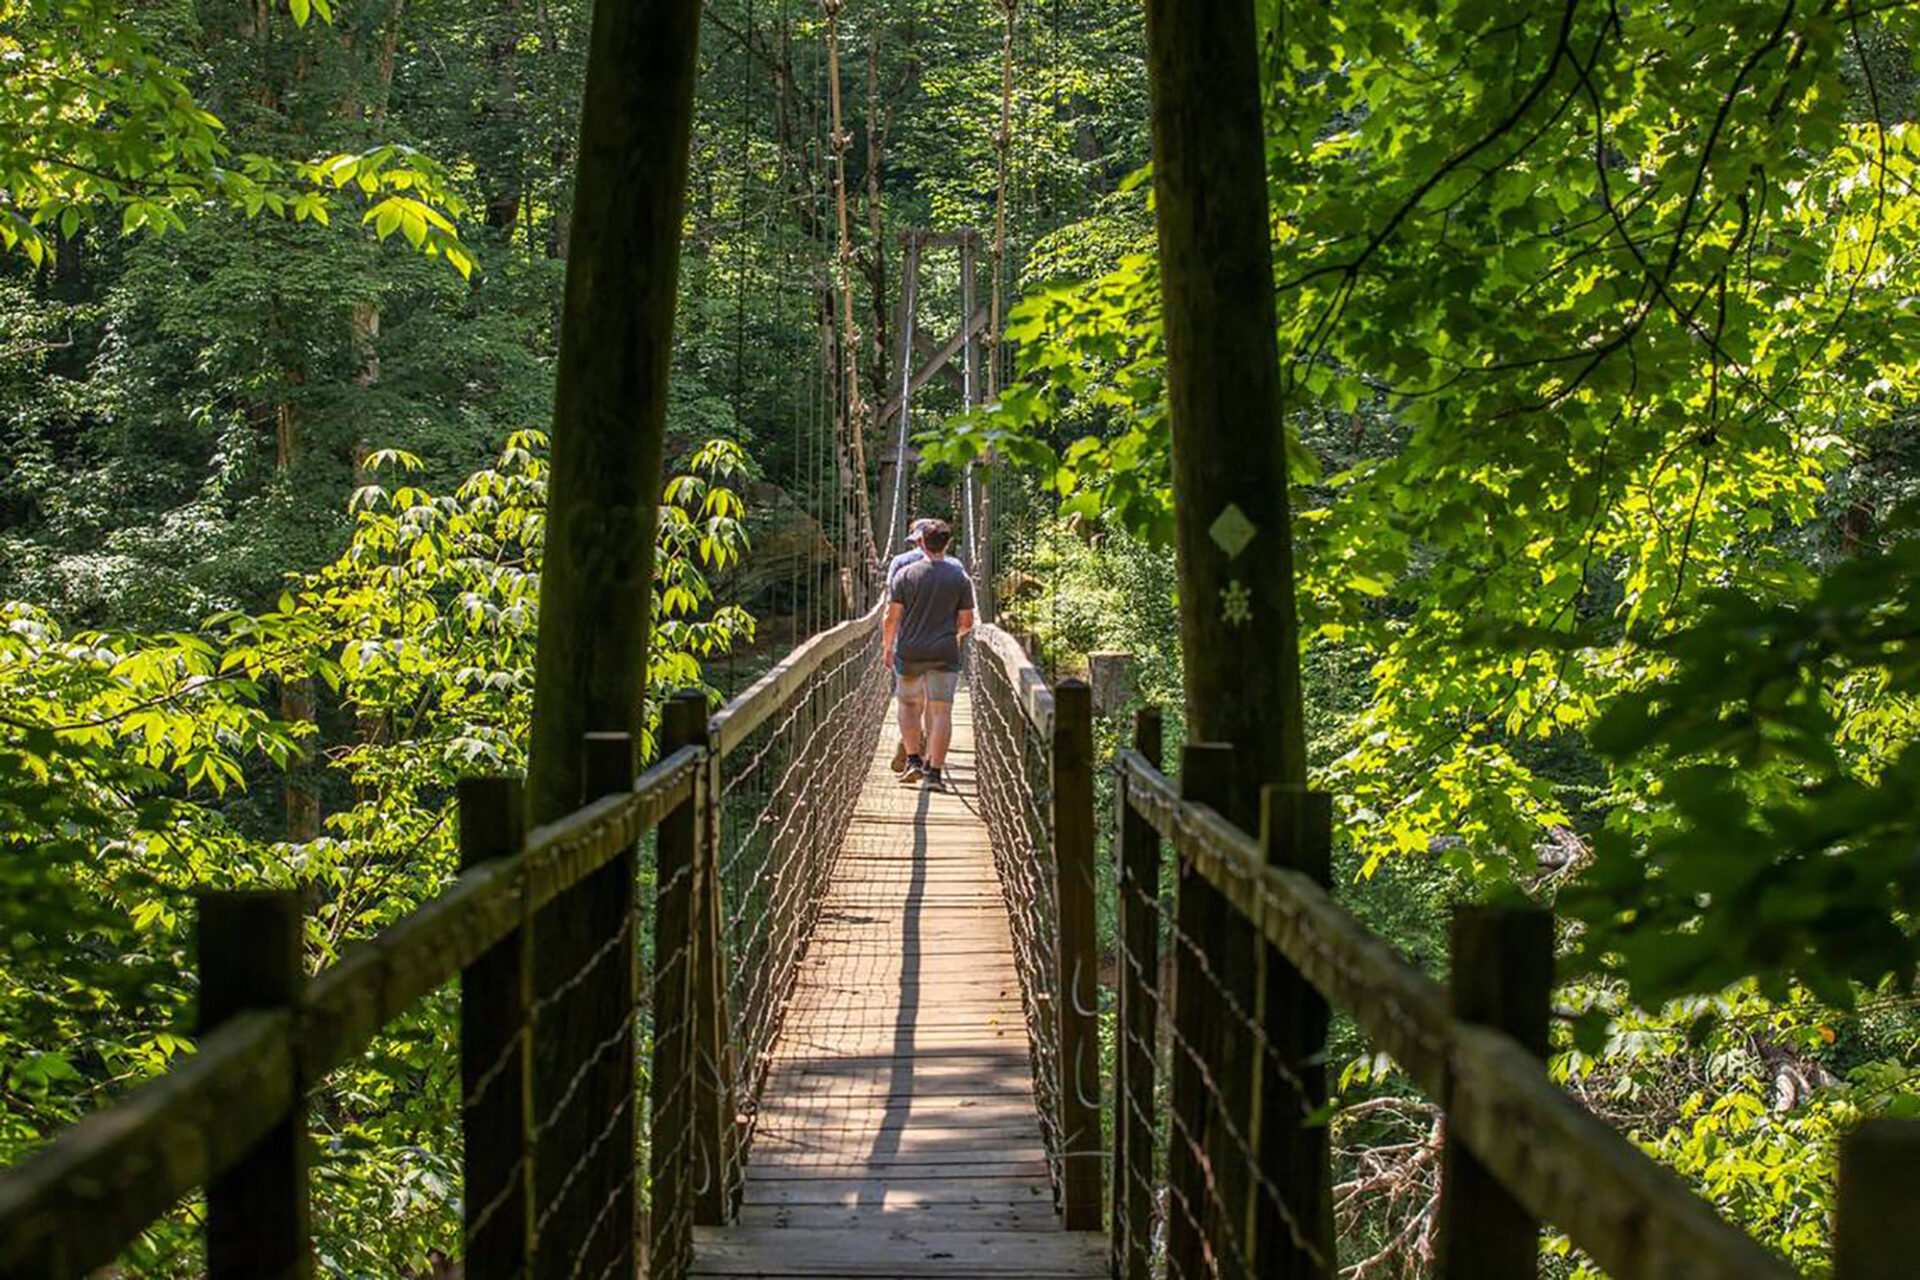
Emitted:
<point x="934" y="686"/>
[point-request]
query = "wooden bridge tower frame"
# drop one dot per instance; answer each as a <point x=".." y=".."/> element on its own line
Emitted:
<point x="975" y="318"/>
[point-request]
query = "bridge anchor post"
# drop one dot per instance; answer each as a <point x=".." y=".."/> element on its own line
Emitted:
<point x="496" y="1000"/>
<point x="1135" y="1060"/>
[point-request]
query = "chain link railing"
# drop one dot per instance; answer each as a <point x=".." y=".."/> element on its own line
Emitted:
<point x="787" y="792"/>
<point x="1013" y="742"/>
<point x="1034" y="752"/>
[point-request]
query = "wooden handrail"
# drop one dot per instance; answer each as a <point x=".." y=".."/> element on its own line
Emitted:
<point x="1029" y="686"/>
<point x="76" y="1204"/>
<point x="735" y="722"/>
<point x="1636" y="1219"/>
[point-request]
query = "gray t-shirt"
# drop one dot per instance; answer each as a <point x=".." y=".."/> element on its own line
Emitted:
<point x="931" y="594"/>
<point x="901" y="561"/>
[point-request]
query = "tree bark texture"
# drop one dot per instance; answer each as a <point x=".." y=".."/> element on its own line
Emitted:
<point x="1237" y="621"/>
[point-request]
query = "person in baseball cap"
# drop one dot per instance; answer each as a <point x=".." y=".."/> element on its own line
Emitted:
<point x="914" y="554"/>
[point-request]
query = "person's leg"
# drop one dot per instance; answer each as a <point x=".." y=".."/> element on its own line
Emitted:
<point x="940" y="690"/>
<point x="911" y="691"/>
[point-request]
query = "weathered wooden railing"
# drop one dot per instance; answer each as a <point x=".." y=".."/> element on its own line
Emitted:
<point x="740" y="822"/>
<point x="1260" y="950"/>
<point x="738" y="810"/>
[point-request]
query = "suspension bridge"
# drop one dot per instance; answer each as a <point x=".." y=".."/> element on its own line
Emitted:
<point x="820" y="1024"/>
<point x="761" y="1011"/>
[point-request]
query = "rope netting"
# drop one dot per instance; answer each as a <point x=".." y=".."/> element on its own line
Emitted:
<point x="1211" y="1163"/>
<point x="1015" y="787"/>
<point x="787" y="794"/>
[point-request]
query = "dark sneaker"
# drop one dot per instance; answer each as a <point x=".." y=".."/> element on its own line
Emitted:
<point x="934" y="781"/>
<point x="915" y="770"/>
<point x="899" y="756"/>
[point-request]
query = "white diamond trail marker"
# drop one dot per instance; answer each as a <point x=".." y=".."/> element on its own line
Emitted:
<point x="1231" y="531"/>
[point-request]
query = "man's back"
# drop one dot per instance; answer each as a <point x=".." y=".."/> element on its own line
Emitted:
<point x="931" y="593"/>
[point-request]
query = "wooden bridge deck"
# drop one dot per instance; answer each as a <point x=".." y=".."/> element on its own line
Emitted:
<point x="897" y="1135"/>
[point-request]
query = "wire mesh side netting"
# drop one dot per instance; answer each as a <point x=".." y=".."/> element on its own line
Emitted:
<point x="1206" y="1169"/>
<point x="1015" y="783"/>
<point x="786" y="795"/>
<point x="1221" y="1098"/>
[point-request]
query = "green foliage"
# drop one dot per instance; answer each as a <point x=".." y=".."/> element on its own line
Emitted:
<point x="98" y="117"/>
<point x="116" y="752"/>
<point x="1775" y="756"/>
<point x="1581" y="313"/>
<point x="1596" y="351"/>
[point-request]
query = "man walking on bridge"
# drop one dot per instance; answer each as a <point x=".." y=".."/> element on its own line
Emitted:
<point x="930" y="613"/>
<point x="914" y="554"/>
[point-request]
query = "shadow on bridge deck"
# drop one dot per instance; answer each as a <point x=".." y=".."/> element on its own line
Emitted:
<point x="897" y="1134"/>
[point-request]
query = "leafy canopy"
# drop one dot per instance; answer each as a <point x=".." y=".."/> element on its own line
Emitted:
<point x="98" y="118"/>
<point x="1582" y="308"/>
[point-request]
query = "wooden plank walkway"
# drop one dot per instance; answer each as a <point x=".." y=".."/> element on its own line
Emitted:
<point x="897" y="1135"/>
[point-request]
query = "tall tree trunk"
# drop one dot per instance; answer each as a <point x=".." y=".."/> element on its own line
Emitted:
<point x="501" y="122"/>
<point x="596" y="591"/>
<point x="383" y="68"/>
<point x="1238" y="627"/>
<point x="297" y="696"/>
<point x="559" y="154"/>
<point x="610" y="403"/>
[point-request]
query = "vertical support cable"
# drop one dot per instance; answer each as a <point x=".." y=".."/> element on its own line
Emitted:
<point x="971" y="544"/>
<point x="908" y="315"/>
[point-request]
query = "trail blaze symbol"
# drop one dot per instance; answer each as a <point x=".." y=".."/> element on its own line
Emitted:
<point x="1236" y="603"/>
<point x="1231" y="531"/>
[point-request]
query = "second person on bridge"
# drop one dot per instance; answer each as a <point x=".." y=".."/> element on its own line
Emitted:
<point x="929" y="614"/>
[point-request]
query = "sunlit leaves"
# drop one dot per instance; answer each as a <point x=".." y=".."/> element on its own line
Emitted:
<point x="1573" y="352"/>
<point x="116" y="751"/>
<point x="97" y="122"/>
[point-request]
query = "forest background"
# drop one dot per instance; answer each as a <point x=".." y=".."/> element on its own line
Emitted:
<point x="1599" y="352"/>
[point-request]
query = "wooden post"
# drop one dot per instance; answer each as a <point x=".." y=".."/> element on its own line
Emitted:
<point x="584" y="1107"/>
<point x="675" y="1147"/>
<point x="495" y="1055"/>
<point x="1137" y="854"/>
<point x="1877" y="1234"/>
<point x="1111" y="675"/>
<point x="1194" y="1216"/>
<point x="1296" y="830"/>
<point x="258" y="1213"/>
<point x="713" y="1077"/>
<point x="596" y="587"/>
<point x="1078" y="955"/>
<point x="1502" y="978"/>
<point x="1230" y="481"/>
